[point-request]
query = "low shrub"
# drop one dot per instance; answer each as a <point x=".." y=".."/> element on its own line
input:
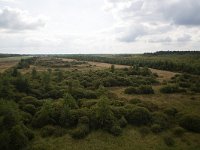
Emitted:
<point x="116" y="130"/>
<point x="171" y="111"/>
<point x="143" y="89"/>
<point x="171" y="89"/>
<point x="178" y="131"/>
<point x="139" y="116"/>
<point x="190" y="122"/>
<point x="146" y="89"/>
<point x="149" y="105"/>
<point x="135" y="101"/>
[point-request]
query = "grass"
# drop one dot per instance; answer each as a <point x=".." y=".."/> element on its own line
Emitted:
<point x="129" y="140"/>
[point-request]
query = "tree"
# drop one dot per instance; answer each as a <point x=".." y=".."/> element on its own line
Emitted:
<point x="112" y="68"/>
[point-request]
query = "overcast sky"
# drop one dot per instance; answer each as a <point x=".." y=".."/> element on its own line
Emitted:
<point x="98" y="26"/>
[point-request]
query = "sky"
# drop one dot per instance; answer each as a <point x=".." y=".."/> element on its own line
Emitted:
<point x="98" y="26"/>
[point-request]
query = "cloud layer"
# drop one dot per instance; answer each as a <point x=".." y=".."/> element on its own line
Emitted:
<point x="16" y="19"/>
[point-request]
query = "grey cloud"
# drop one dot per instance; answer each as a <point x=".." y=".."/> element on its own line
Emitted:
<point x="16" y="19"/>
<point x="160" y="40"/>
<point x="131" y="33"/>
<point x="184" y="38"/>
<point x="183" y="12"/>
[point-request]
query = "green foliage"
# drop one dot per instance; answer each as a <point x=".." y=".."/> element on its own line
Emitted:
<point x="139" y="116"/>
<point x="30" y="109"/>
<point x="171" y="89"/>
<point x="143" y="89"/>
<point x="160" y="119"/>
<point x="190" y="122"/>
<point x="18" y="139"/>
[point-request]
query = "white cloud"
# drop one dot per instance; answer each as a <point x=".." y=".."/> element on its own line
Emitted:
<point x="16" y="19"/>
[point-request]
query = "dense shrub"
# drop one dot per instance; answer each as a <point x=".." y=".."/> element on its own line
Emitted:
<point x="190" y="122"/>
<point x="139" y="116"/>
<point x="30" y="109"/>
<point x="171" y="89"/>
<point x="18" y="139"/>
<point x="131" y="90"/>
<point x="160" y="119"/>
<point x="102" y="116"/>
<point x="119" y="111"/>
<point x="143" y="89"/>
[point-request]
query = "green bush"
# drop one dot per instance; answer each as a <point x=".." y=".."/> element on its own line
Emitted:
<point x="139" y="116"/>
<point x="171" y="111"/>
<point x="178" y="131"/>
<point x="18" y="139"/>
<point x="116" y="130"/>
<point x="156" y="128"/>
<point x="171" y="89"/>
<point x="80" y="132"/>
<point x="135" y="101"/>
<point x="169" y="141"/>
<point x="123" y="122"/>
<point x="30" y="109"/>
<point x="131" y="90"/>
<point x="143" y="89"/>
<point x="119" y="111"/>
<point x="47" y="131"/>
<point x="146" y="89"/>
<point x="149" y="105"/>
<point x="160" y="119"/>
<point x="190" y="122"/>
